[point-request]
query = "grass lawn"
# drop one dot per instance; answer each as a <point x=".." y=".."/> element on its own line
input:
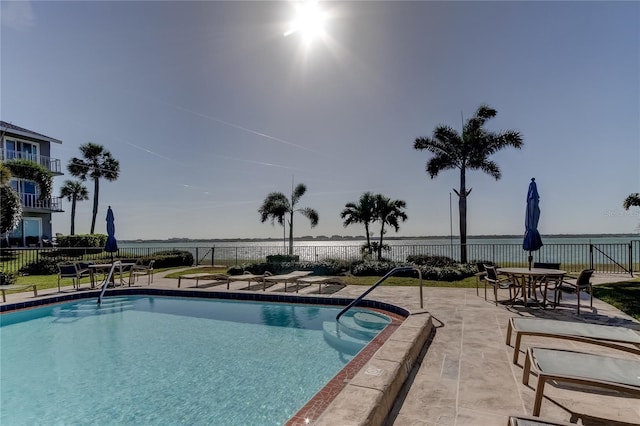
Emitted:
<point x="624" y="296"/>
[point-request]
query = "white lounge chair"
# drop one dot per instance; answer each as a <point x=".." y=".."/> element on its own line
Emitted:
<point x="602" y="335"/>
<point x="291" y="277"/>
<point x="320" y="280"/>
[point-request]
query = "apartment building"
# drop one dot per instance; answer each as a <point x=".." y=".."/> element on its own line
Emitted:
<point x="20" y="143"/>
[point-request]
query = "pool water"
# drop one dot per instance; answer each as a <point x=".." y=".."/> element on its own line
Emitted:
<point x="158" y="360"/>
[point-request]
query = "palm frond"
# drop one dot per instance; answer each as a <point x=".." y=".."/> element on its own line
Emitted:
<point x="298" y="192"/>
<point x="310" y="214"/>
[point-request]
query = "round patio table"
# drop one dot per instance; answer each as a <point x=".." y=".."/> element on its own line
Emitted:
<point x="528" y="279"/>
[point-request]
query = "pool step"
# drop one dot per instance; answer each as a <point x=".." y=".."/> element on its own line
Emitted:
<point x="371" y="320"/>
<point x="335" y="335"/>
<point x="90" y="307"/>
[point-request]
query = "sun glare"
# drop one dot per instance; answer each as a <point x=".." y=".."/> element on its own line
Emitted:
<point x="309" y="21"/>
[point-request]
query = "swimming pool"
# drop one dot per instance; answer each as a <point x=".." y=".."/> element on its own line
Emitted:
<point x="159" y="360"/>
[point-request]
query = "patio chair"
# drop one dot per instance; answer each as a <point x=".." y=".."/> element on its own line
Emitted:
<point x="480" y="275"/>
<point x="546" y="265"/>
<point x="72" y="270"/>
<point x="140" y="269"/>
<point x="563" y="366"/>
<point x="492" y="279"/>
<point x="582" y="282"/>
<point x="603" y="335"/>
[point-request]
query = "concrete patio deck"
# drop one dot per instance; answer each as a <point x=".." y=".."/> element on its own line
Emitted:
<point x="465" y="375"/>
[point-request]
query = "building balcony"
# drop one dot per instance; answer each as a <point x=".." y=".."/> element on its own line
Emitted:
<point x="33" y="203"/>
<point x="51" y="164"/>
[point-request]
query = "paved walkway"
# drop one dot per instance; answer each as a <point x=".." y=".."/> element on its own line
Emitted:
<point x="466" y="376"/>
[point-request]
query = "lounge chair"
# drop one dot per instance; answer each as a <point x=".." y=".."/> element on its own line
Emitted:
<point x="247" y="277"/>
<point x="18" y="287"/>
<point x="204" y="276"/>
<point x="320" y="280"/>
<point x="602" y="335"/>
<point x="534" y="421"/>
<point x="582" y="282"/>
<point x="492" y="279"/>
<point x="286" y="278"/>
<point x="573" y="367"/>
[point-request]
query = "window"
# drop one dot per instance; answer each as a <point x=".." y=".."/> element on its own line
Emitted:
<point x="18" y="149"/>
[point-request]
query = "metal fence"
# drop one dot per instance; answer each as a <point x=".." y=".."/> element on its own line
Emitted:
<point x="604" y="258"/>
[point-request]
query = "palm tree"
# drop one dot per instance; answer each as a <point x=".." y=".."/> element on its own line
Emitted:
<point x="470" y="151"/>
<point x="633" y="200"/>
<point x="388" y="212"/>
<point x="74" y="191"/>
<point x="361" y="212"/>
<point x="96" y="163"/>
<point x="277" y="205"/>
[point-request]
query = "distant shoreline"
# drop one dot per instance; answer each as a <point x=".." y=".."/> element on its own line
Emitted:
<point x="362" y="237"/>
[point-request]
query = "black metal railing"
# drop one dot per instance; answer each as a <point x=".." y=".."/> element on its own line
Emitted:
<point x="604" y="258"/>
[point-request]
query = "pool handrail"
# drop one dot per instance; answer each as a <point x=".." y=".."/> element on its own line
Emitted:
<point x="107" y="280"/>
<point x="387" y="275"/>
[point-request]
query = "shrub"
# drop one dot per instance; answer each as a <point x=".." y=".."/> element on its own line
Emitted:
<point x="282" y="258"/>
<point x="172" y="258"/>
<point x="83" y="240"/>
<point x="374" y="267"/>
<point x="41" y="267"/>
<point x="453" y="272"/>
<point x="326" y="267"/>
<point x="273" y="268"/>
<point x="428" y="260"/>
<point x="235" y="270"/>
<point x="8" y="278"/>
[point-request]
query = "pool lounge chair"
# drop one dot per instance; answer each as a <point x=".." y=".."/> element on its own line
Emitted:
<point x="17" y="287"/>
<point x="562" y="366"/>
<point x="602" y="335"/>
<point x="291" y="277"/>
<point x="204" y="276"/>
<point x="534" y="421"/>
<point x="247" y="277"/>
<point x="320" y="280"/>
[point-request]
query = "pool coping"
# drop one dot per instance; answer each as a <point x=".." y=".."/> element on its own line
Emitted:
<point x="362" y="393"/>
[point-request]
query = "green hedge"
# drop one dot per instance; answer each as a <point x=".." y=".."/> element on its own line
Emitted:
<point x="283" y="258"/>
<point x="170" y="259"/>
<point x="82" y="240"/>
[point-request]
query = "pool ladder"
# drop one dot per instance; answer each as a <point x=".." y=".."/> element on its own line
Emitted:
<point x="107" y="280"/>
<point x="380" y="281"/>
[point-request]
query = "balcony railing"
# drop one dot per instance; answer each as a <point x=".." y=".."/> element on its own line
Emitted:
<point x="51" y="164"/>
<point x="32" y="201"/>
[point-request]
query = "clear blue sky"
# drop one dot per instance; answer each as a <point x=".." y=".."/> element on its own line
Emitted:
<point x="209" y="108"/>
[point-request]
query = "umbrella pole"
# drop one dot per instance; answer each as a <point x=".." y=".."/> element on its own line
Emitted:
<point x="530" y="259"/>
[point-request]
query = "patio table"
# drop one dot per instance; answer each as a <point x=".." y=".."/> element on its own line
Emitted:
<point x="105" y="267"/>
<point x="528" y="279"/>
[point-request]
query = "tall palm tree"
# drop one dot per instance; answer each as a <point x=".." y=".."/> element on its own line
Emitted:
<point x="74" y="191"/>
<point x="633" y="200"/>
<point x="388" y="212"/>
<point x="361" y="212"/>
<point x="469" y="151"/>
<point x="96" y="163"/>
<point x="276" y="206"/>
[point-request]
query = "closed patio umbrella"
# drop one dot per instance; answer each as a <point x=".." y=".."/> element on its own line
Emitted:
<point x="112" y="244"/>
<point x="532" y="240"/>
